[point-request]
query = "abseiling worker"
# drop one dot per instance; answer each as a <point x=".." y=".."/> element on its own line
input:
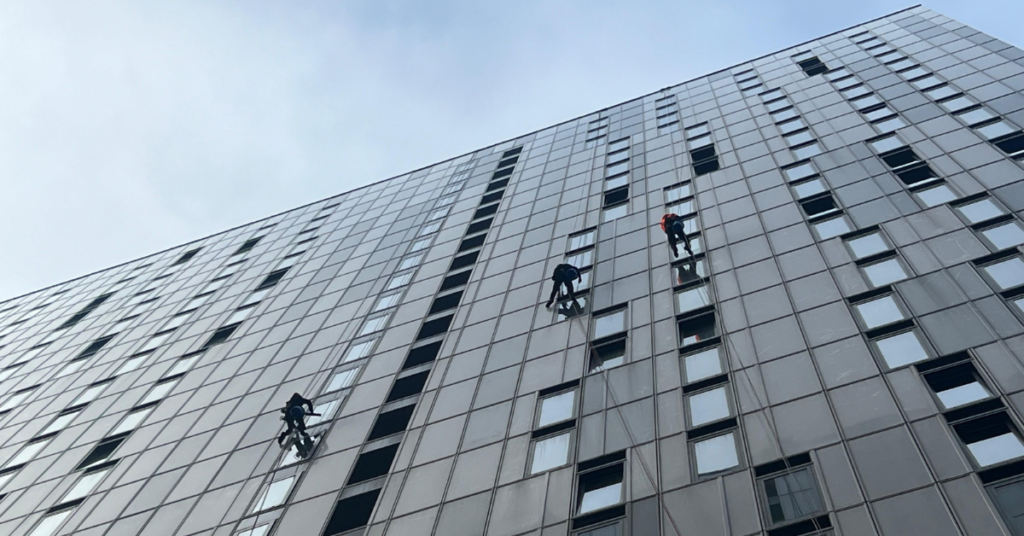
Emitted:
<point x="674" y="228"/>
<point x="564" y="274"/>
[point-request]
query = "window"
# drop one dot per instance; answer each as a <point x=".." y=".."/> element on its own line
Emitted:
<point x="274" y="495"/>
<point x="49" y="524"/>
<point x="790" y="127"/>
<point x="716" y="454"/>
<point x="879" y="311"/>
<point x="791" y="496"/>
<point x="901" y="349"/>
<point x="607" y="356"/>
<point x="421" y="244"/>
<point x="708" y="406"/>
<point x="239" y="316"/>
<point x="991" y="440"/>
<point x="941" y="92"/>
<point x="342" y="380"/>
<point x="429" y="228"/>
<point x="783" y="115"/>
<point x="91" y="393"/>
<point x="60" y="423"/>
<point x="675" y="193"/>
<point x="255" y="297"/>
<point x="1004" y="236"/>
<point x="957" y="386"/>
<point x="550" y="452"/>
<point x="798" y="138"/>
<point x="936" y="195"/>
<point x="696" y="329"/>
<point x="980" y="210"/>
<point x="132" y="421"/>
<point x="957" y="103"/>
<point x="697" y="130"/>
<point x="975" y="116"/>
<point x="556" y="408"/>
<point x="248" y="245"/>
<point x="1008" y="498"/>
<point x="614" y="213"/>
<point x="159" y="391"/>
<point x="681" y="208"/>
<point x="27" y="453"/>
<point x="998" y="129"/>
<point x="819" y="206"/>
<point x="399" y="280"/>
<point x="800" y="171"/>
<point x="582" y="240"/>
<point x="832" y="227"/>
<point x="890" y="125"/>
<point x="386" y="301"/>
<point x="410" y="262"/>
<point x="618" y="145"/>
<point x="84" y="486"/>
<point x="438" y="213"/>
<point x="866" y="101"/>
<point x="690" y="272"/>
<point x="183" y="365"/>
<point x="600" y="488"/>
<point x="692" y="298"/>
<point x="15" y="400"/>
<point x="359" y="349"/>
<point x="1007" y="273"/>
<point x="130" y="365"/>
<point x="609" y="323"/>
<point x="702" y="365"/>
<point x="867" y="245"/>
<point x="375" y="324"/>
<point x="326" y="411"/>
<point x="855" y="92"/>
<point x="887" y="144"/>
<point x="883" y="273"/>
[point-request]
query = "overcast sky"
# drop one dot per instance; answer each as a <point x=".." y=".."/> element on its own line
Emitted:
<point x="130" y="127"/>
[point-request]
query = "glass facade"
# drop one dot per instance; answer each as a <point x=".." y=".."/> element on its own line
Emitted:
<point x="842" y="353"/>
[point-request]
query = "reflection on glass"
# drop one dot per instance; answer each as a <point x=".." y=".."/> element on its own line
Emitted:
<point x="84" y="486"/>
<point x="694" y="330"/>
<point x="159" y="391"/>
<point x="89" y="394"/>
<point x="976" y="116"/>
<point x="550" y="452"/>
<point x="981" y="210"/>
<point x="387" y="301"/>
<point x="800" y="172"/>
<point x="556" y="408"/>
<point x="326" y="410"/>
<point x="701" y="365"/>
<point x="831" y="228"/>
<point x="609" y="324"/>
<point x="374" y="324"/>
<point x="807" y="151"/>
<point x="600" y="489"/>
<point x="962" y="394"/>
<point x="879" y="312"/>
<point x="410" y="262"/>
<point x="60" y="423"/>
<point x="716" y="454"/>
<point x="27" y="453"/>
<point x="902" y="349"/>
<point x="792" y="496"/>
<point x="693" y="298"/>
<point x="708" y="406"/>
<point x="1005" y="236"/>
<point x="1008" y="273"/>
<point x="936" y="196"/>
<point x="342" y="380"/>
<point x="132" y="421"/>
<point x="358" y="350"/>
<point x="867" y="245"/>
<point x="608" y="356"/>
<point x="614" y="213"/>
<point x="275" y="495"/>
<point x="399" y="280"/>
<point x="885" y="272"/>
<point x="995" y="130"/>
<point x="809" y="188"/>
<point x="1000" y="448"/>
<point x="49" y="525"/>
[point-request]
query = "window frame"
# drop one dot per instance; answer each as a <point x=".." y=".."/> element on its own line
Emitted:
<point x="763" y="499"/>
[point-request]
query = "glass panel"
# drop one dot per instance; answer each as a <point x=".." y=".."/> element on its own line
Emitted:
<point x="962" y="395"/>
<point x="709" y="406"/>
<point x="550" y="452"/>
<point x="609" y="324"/>
<point x="807" y="151"/>
<point x="159" y="392"/>
<point x="801" y="171"/>
<point x="784" y="115"/>
<point x="866" y="102"/>
<point x="885" y="272"/>
<point x="374" y="324"/>
<point x="556" y="408"/>
<point x="792" y="496"/>
<point x="809" y="188"/>
<point x="359" y="350"/>
<point x="694" y="330"/>
<point x="581" y="240"/>
<point x="1008" y="273"/>
<point x="256" y="297"/>
<point x="941" y="92"/>
<point x="420" y="244"/>
<point x="936" y="196"/>
<point x="690" y="272"/>
<point x="239" y="315"/>
<point x="974" y="117"/>
<point x="154" y="342"/>
<point x="399" y="280"/>
<point x="618" y="144"/>
<point x="890" y="125"/>
<point x="84" y="486"/>
<point x="429" y="228"/>
<point x="981" y="210"/>
<point x="60" y="423"/>
<point x="616" y="182"/>
<point x="581" y="259"/>
<point x="1005" y="236"/>
<point x="600" y="489"/>
<point x="49" y="525"/>
<point x="132" y="421"/>
<point x="678" y="192"/>
<point x="800" y="137"/>
<point x="410" y="262"/>
<point x="614" y="213"/>
<point x="716" y="454"/>
<point x="902" y="349"/>
<point x="14" y="400"/>
<point x="698" y="130"/>
<point x="682" y="208"/>
<point x="996" y="449"/>
<point x="175" y="322"/>
<point x="831" y="228"/>
<point x="608" y="356"/>
<point x="879" y="312"/>
<point x="89" y="394"/>
<point x="342" y="380"/>
<point x="995" y="130"/>
<point x="886" y="144"/>
<point x="701" y="365"/>
<point x="878" y="114"/>
<point x="867" y="245"/>
<point x="791" y="126"/>
<point x="182" y="365"/>
<point x="27" y="453"/>
<point x="388" y="301"/>
<point x="694" y="298"/>
<point x="615" y="169"/>
<point x="326" y="410"/>
<point x="275" y="494"/>
<point x="926" y="82"/>
<point x="957" y="104"/>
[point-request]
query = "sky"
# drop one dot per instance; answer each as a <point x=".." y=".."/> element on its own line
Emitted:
<point x="131" y="127"/>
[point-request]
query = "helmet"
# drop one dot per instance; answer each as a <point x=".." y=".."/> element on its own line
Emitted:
<point x="296" y="412"/>
<point x="677" y="226"/>
<point x="571" y="273"/>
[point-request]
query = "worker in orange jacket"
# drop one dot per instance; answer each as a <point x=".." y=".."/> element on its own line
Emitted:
<point x="674" y="228"/>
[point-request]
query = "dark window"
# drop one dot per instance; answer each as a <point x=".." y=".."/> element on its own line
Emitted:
<point x="249" y="244"/>
<point x="443" y="303"/>
<point x="472" y="242"/>
<point x="599" y="489"/>
<point x="819" y="206"/>
<point x="272" y="278"/>
<point x="373" y="464"/>
<point x="187" y="256"/>
<point x="101" y="452"/>
<point x="1009" y="497"/>
<point x="391" y="422"/>
<point x="478" y="226"/>
<point x="491" y="198"/>
<point x="435" y="327"/>
<point x="497" y="185"/>
<point x="464" y="260"/>
<point x="697" y="329"/>
<point x="901" y="158"/>
<point x="512" y="152"/>
<point x="408" y="386"/>
<point x="96" y="302"/>
<point x="1012" y="145"/>
<point x="991" y="440"/>
<point x="422" y="354"/>
<point x="502" y="173"/>
<point x="791" y="496"/>
<point x="812" y="66"/>
<point x="916" y="173"/>
<point x="455" y="280"/>
<point x="508" y="162"/>
<point x="96" y="346"/>
<point x="220" y="336"/>
<point x="483" y="212"/>
<point x="351" y="512"/>
<point x="608" y="355"/>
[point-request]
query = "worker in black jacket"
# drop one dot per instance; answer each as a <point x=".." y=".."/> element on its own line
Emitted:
<point x="564" y="274"/>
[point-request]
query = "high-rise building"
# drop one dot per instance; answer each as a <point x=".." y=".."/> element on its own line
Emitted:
<point x="843" y="354"/>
